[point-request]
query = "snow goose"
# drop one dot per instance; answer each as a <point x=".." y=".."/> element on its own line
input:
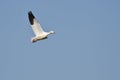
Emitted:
<point x="40" y="34"/>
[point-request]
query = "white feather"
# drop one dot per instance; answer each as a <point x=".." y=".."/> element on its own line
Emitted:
<point x="37" y="29"/>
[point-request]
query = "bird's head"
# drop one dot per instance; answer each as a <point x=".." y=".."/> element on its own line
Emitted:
<point x="51" y="32"/>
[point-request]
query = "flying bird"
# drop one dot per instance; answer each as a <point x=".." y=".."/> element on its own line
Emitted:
<point x="40" y="34"/>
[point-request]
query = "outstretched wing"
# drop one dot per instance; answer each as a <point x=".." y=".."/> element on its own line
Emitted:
<point x="37" y="29"/>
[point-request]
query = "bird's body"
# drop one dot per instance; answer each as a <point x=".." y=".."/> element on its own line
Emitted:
<point x="40" y="37"/>
<point x="40" y="34"/>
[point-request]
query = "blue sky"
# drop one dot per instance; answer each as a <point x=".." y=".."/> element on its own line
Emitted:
<point x="86" y="45"/>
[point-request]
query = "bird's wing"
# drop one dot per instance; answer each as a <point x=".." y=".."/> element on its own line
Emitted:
<point x="37" y="29"/>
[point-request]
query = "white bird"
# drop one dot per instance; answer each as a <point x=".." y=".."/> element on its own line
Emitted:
<point x="40" y="34"/>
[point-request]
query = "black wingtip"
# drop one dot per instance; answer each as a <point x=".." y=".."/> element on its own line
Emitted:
<point x="31" y="17"/>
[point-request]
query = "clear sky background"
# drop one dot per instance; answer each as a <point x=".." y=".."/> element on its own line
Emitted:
<point x="86" y="45"/>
